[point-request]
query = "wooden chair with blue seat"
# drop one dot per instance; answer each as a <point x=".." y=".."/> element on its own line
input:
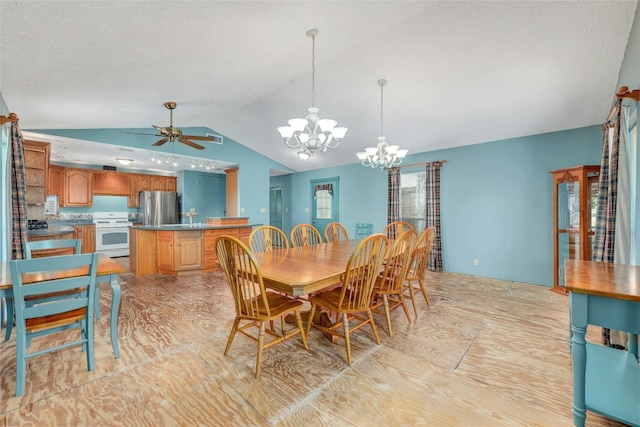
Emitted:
<point x="388" y="291"/>
<point x="253" y="304"/>
<point x="335" y="232"/>
<point x="73" y="279"/>
<point x="352" y="298"/>
<point x="305" y="235"/>
<point x="267" y="238"/>
<point x="42" y="248"/>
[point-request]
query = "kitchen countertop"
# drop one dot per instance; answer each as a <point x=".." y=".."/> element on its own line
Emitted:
<point x="196" y="226"/>
<point x="51" y="231"/>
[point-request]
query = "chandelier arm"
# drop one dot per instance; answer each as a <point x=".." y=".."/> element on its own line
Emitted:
<point x="296" y="142"/>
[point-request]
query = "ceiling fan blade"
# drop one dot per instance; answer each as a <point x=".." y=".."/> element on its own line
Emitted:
<point x="191" y="143"/>
<point x="139" y="133"/>
<point x="199" y="138"/>
<point x="162" y="141"/>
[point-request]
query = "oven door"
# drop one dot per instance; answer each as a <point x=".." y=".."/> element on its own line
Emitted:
<point x="113" y="241"/>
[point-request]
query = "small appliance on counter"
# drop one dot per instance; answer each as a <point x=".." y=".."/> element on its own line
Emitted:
<point x="36" y="224"/>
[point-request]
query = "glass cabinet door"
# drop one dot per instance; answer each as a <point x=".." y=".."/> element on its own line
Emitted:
<point x="575" y="204"/>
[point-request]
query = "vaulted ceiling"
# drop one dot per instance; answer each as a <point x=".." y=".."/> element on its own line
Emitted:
<point x="458" y="73"/>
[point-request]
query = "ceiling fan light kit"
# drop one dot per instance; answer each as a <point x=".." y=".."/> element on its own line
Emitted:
<point x="312" y="134"/>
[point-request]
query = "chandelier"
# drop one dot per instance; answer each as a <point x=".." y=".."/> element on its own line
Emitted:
<point x="312" y="133"/>
<point x="383" y="155"/>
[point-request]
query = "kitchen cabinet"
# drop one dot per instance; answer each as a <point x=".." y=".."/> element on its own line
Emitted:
<point x="143" y="183"/>
<point x="111" y="183"/>
<point x="232" y="192"/>
<point x="88" y="235"/>
<point x="162" y="183"/>
<point x="209" y="247"/>
<point x="36" y="162"/>
<point x="78" y="187"/>
<point x="132" y="201"/>
<point x="179" y="251"/>
<point x="55" y="186"/>
<point x="142" y="251"/>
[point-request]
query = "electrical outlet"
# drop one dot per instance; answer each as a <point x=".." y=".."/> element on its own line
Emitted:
<point x="241" y="210"/>
<point x="476" y="262"/>
<point x="263" y="210"/>
<point x="306" y="209"/>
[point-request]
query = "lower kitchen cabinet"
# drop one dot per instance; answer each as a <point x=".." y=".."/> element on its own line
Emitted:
<point x="88" y="235"/>
<point x="179" y="251"/>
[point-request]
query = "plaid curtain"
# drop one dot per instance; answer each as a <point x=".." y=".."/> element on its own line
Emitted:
<point x="604" y="233"/>
<point x="18" y="194"/>
<point x="393" y="207"/>
<point x="433" y="213"/>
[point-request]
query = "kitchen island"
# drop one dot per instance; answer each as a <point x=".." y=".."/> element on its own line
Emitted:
<point x="181" y="248"/>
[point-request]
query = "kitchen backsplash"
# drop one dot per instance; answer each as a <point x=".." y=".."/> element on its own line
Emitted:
<point x="73" y="216"/>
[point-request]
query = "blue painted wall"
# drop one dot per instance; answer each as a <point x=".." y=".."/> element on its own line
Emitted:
<point x="497" y="201"/>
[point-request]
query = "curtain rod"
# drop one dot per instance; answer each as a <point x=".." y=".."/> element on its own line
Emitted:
<point x="624" y="92"/>
<point x="11" y="118"/>
<point x="421" y="164"/>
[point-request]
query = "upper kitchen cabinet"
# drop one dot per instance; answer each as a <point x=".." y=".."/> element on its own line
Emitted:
<point x="111" y="183"/>
<point x="78" y="189"/>
<point x="163" y="183"/>
<point x="143" y="183"/>
<point x="36" y="162"/>
<point x="55" y="186"/>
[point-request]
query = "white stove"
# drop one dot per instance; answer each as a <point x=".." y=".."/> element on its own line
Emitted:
<point x="112" y="233"/>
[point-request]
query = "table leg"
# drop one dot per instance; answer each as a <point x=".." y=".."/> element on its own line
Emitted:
<point x="578" y="310"/>
<point x="116" y="294"/>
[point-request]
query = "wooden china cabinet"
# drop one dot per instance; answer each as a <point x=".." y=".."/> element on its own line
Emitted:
<point x="575" y="203"/>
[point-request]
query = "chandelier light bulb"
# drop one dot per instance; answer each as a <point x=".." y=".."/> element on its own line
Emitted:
<point x="312" y="133"/>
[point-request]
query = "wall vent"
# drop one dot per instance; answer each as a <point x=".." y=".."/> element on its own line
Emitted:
<point x="217" y="139"/>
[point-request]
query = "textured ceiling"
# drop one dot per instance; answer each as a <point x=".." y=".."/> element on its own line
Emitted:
<point x="459" y="73"/>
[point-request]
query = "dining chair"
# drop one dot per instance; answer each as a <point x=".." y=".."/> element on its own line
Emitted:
<point x="393" y="229"/>
<point x="389" y="286"/>
<point x="267" y="238"/>
<point x="418" y="265"/>
<point x="305" y="235"/>
<point x="35" y="318"/>
<point x="40" y="248"/>
<point x="353" y="297"/>
<point x="254" y="304"/>
<point x="335" y="232"/>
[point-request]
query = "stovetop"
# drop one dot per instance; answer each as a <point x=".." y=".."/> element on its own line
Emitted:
<point x="34" y="224"/>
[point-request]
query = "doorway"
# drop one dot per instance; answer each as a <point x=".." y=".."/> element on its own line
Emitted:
<point x="324" y="202"/>
<point x="275" y="207"/>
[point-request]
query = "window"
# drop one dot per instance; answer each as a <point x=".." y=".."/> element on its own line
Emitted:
<point x="413" y="205"/>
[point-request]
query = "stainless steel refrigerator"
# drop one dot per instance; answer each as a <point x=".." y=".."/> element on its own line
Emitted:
<point x="158" y="207"/>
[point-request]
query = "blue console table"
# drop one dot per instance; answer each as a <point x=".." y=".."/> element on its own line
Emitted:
<point x="605" y="380"/>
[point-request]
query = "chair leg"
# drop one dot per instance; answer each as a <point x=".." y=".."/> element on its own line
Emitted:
<point x="91" y="360"/>
<point x="21" y="362"/>
<point x="413" y="298"/>
<point x="385" y="299"/>
<point x="260" y="348"/>
<point x="424" y="291"/>
<point x="373" y="326"/>
<point x="303" y="337"/>
<point x="7" y="333"/>
<point x="347" y="338"/>
<point x="234" y="328"/>
<point x="310" y="320"/>
<point x="404" y="306"/>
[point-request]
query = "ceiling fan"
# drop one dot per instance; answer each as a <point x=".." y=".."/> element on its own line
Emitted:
<point x="172" y="134"/>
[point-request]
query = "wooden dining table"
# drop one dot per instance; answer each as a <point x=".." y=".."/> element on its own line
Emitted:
<point x="304" y="270"/>
<point x="108" y="271"/>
